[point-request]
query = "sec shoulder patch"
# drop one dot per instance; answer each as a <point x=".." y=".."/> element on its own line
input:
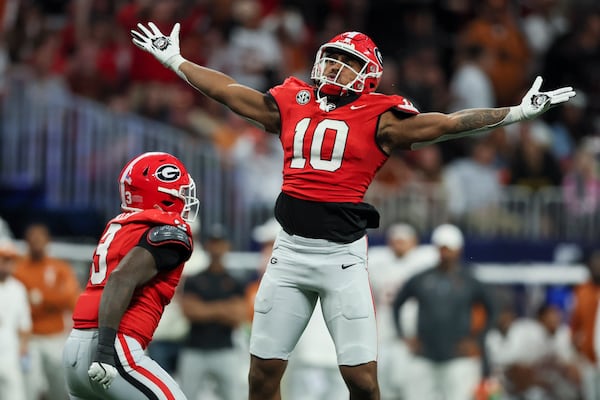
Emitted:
<point x="303" y="97"/>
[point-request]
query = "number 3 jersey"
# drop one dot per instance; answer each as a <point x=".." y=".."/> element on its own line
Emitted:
<point x="330" y="158"/>
<point x="143" y="314"/>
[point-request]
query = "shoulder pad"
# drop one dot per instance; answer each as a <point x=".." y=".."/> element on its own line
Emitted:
<point x="168" y="234"/>
<point x="405" y="105"/>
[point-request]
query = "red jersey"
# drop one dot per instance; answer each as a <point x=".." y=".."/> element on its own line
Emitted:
<point x="330" y="156"/>
<point x="121" y="234"/>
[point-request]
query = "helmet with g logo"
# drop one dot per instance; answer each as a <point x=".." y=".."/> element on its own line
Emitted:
<point x="359" y="46"/>
<point x="158" y="180"/>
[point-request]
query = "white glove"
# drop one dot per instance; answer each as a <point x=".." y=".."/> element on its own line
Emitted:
<point x="102" y="373"/>
<point x="164" y="48"/>
<point x="535" y="103"/>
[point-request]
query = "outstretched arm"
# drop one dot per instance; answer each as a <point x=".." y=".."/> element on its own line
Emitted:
<point x="423" y="129"/>
<point x="242" y="100"/>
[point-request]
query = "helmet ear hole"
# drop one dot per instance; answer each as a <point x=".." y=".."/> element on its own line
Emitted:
<point x="167" y="203"/>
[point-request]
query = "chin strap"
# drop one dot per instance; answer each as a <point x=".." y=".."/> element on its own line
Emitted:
<point x="324" y="105"/>
<point x="322" y="99"/>
<point x="329" y="103"/>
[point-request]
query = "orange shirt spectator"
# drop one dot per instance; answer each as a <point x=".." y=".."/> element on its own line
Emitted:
<point x="584" y="323"/>
<point x="52" y="288"/>
<point x="583" y="318"/>
<point x="497" y="31"/>
<point x="51" y="284"/>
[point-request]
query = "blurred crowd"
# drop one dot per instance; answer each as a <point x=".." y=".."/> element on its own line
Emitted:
<point x="443" y="333"/>
<point x="444" y="55"/>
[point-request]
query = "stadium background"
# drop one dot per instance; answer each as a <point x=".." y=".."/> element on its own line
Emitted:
<point x="78" y="100"/>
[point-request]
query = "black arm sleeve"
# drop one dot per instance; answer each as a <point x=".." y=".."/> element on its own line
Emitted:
<point x="169" y="245"/>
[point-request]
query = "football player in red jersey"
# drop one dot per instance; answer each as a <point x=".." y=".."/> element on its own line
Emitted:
<point x="336" y="133"/>
<point x="136" y="266"/>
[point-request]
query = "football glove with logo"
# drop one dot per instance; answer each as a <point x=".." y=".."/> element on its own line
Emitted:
<point x="535" y="102"/>
<point x="164" y="48"/>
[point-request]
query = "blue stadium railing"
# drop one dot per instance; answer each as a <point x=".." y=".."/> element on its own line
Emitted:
<point x="64" y="155"/>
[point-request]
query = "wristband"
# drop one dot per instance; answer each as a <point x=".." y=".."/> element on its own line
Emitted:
<point x="515" y="114"/>
<point x="174" y="63"/>
<point x="105" y="351"/>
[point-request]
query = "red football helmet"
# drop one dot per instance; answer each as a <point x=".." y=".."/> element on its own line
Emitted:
<point x="161" y="181"/>
<point x="359" y="46"/>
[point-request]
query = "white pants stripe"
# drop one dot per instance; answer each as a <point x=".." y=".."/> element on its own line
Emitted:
<point x="136" y="374"/>
<point x="140" y="377"/>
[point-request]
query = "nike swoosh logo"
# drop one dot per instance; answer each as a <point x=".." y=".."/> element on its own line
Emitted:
<point x="344" y="266"/>
<point x="353" y="107"/>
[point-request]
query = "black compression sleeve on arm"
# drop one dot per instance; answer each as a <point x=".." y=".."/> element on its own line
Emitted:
<point x="105" y="352"/>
